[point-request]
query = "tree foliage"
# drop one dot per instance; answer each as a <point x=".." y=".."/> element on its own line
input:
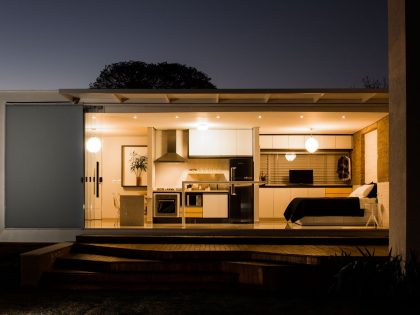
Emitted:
<point x="372" y="83"/>
<point x="141" y="75"/>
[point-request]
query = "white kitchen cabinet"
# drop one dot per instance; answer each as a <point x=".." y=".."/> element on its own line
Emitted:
<point x="316" y="192"/>
<point x="266" y="142"/>
<point x="296" y="142"/>
<point x="225" y="142"/>
<point x="215" y="205"/>
<point x="274" y="201"/>
<point x="281" y="142"/>
<point x="244" y="142"/>
<point x="298" y="192"/>
<point x="266" y="202"/>
<point x="344" y="142"/>
<point x="281" y="201"/>
<point x="229" y="142"/>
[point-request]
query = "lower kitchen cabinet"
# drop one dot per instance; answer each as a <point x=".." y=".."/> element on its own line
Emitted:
<point x="215" y="205"/>
<point x="274" y="201"/>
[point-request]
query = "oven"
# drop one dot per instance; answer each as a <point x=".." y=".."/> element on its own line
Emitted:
<point x="166" y="204"/>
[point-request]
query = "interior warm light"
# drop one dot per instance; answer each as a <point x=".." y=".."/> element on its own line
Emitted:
<point x="134" y="117"/>
<point x="218" y="117"/>
<point x="259" y="116"/>
<point x="202" y="126"/>
<point x="311" y="145"/>
<point x="290" y="156"/>
<point x="176" y="117"/>
<point x="344" y="116"/>
<point x="301" y="116"/>
<point x="93" y="145"/>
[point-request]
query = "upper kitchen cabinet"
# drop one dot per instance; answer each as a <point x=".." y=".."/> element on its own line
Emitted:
<point x="266" y="142"/>
<point x="343" y="142"/>
<point x="298" y="141"/>
<point x="220" y="143"/>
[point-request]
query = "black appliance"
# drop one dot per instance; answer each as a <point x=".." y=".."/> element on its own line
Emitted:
<point x="241" y="197"/>
<point x="166" y="204"/>
<point x="301" y="176"/>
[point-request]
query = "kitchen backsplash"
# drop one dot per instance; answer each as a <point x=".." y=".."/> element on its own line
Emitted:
<point x="171" y="175"/>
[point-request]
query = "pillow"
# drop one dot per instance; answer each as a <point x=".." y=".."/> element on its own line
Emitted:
<point x="362" y="191"/>
<point x="374" y="192"/>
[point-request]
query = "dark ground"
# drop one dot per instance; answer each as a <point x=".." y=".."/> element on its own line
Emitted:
<point x="187" y="302"/>
<point x="16" y="300"/>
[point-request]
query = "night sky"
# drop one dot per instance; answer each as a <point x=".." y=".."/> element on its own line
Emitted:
<point x="49" y="44"/>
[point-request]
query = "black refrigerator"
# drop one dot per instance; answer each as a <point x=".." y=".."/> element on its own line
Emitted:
<point x="241" y="197"/>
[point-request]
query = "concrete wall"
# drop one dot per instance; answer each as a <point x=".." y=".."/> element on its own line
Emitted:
<point x="26" y="235"/>
<point x="404" y="100"/>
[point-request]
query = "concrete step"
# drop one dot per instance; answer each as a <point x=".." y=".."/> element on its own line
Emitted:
<point x="106" y="263"/>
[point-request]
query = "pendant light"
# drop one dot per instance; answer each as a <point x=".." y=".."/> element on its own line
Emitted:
<point x="290" y="156"/>
<point x="93" y="145"/>
<point x="311" y="144"/>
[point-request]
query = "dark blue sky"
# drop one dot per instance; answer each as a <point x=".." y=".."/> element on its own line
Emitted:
<point x="48" y="44"/>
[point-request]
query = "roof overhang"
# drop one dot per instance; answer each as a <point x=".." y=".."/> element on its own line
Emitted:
<point x="233" y="99"/>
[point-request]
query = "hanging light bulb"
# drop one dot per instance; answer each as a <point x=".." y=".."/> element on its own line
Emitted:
<point x="311" y="145"/>
<point x="93" y="145"/>
<point x="290" y="156"/>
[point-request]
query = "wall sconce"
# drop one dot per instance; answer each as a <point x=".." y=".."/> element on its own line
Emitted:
<point x="290" y="156"/>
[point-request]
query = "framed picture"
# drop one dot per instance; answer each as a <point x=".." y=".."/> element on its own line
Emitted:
<point x="134" y="165"/>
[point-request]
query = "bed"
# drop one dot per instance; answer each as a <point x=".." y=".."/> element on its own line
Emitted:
<point x="353" y="210"/>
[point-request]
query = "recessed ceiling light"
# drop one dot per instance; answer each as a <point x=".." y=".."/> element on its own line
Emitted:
<point x="344" y="116"/>
<point x="202" y="126"/>
<point x="176" y="117"/>
<point x="93" y="117"/>
<point x="218" y="117"/>
<point x="301" y="116"/>
<point x="134" y="117"/>
<point x="259" y="116"/>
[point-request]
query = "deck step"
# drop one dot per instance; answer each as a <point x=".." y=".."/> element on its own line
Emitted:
<point x="185" y="252"/>
<point x="76" y="279"/>
<point x="298" y="237"/>
<point x="105" y="263"/>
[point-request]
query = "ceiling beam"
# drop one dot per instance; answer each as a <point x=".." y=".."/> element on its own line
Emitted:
<point x="368" y="97"/>
<point x="318" y="97"/>
<point x="120" y="98"/>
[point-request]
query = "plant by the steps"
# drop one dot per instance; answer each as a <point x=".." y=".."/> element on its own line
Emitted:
<point x="371" y="276"/>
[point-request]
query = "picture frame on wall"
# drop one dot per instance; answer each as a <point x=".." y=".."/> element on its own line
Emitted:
<point x="134" y="164"/>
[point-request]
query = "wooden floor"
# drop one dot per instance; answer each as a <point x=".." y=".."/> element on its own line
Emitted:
<point x="303" y="254"/>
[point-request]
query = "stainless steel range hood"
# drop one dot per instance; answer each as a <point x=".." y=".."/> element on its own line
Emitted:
<point x="170" y="143"/>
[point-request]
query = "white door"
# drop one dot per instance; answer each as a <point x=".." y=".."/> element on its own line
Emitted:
<point x="44" y="166"/>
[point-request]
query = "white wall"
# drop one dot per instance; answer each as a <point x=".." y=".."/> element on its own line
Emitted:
<point x="111" y="171"/>
<point x="171" y="175"/>
<point x="371" y="156"/>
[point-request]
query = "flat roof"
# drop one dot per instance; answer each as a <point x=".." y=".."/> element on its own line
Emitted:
<point x="237" y="99"/>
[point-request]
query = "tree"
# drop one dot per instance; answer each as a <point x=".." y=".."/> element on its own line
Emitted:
<point x="370" y="83"/>
<point x="141" y="75"/>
